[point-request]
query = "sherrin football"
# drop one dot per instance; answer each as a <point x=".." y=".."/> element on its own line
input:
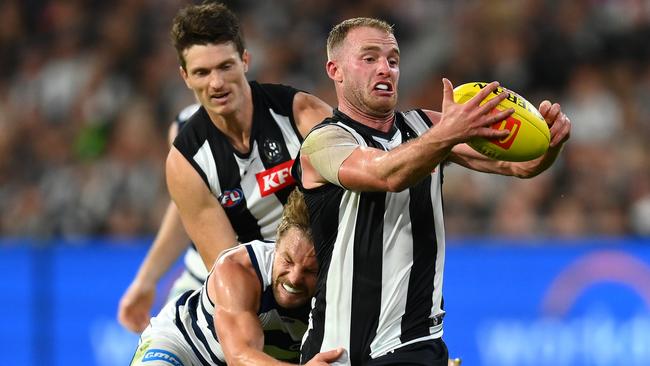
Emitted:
<point x="529" y="135"/>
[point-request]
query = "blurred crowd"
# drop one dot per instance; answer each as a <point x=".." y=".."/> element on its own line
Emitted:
<point x="88" y="89"/>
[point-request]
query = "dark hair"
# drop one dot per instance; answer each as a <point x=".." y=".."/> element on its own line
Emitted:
<point x="208" y="23"/>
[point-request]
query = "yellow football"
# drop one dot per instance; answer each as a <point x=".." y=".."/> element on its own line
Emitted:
<point x="529" y="135"/>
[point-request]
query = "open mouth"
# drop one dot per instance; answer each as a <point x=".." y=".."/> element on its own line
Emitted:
<point x="290" y="289"/>
<point x="220" y="97"/>
<point x="384" y="87"/>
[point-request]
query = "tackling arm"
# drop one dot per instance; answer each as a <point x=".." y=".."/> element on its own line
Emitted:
<point x="235" y="290"/>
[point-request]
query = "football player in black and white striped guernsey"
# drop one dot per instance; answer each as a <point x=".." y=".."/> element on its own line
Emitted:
<point x="229" y="169"/>
<point x="252" y="309"/>
<point x="372" y="179"/>
<point x="229" y="173"/>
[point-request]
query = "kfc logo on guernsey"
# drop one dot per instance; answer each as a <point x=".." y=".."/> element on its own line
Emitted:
<point x="275" y="179"/>
<point x="231" y="198"/>
<point x="511" y="124"/>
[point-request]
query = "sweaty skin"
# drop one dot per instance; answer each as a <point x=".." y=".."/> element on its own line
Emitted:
<point x="327" y="148"/>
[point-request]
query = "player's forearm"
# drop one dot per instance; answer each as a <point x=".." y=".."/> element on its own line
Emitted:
<point x="253" y="357"/>
<point x="170" y="242"/>
<point x="401" y="169"/>
<point x="210" y="236"/>
<point x="210" y="244"/>
<point x="535" y="167"/>
<point x="209" y="253"/>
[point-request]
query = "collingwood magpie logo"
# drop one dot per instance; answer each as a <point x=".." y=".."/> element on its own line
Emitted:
<point x="272" y="150"/>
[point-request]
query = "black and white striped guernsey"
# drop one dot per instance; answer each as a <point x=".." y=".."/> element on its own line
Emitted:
<point x="381" y="256"/>
<point x="283" y="328"/>
<point x="253" y="187"/>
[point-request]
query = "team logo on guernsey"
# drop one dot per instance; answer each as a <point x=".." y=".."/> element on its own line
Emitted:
<point x="275" y="179"/>
<point x="272" y="150"/>
<point x="161" y="355"/>
<point x="231" y="198"/>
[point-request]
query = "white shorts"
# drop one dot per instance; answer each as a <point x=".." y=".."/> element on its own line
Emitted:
<point x="162" y="344"/>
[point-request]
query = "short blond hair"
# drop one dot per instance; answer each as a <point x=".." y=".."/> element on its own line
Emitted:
<point x="340" y="31"/>
<point x="295" y="214"/>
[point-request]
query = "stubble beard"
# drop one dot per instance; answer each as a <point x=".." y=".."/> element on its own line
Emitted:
<point x="364" y="103"/>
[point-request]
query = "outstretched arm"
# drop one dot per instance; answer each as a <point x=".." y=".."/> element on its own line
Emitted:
<point x="560" y="128"/>
<point x="135" y="305"/>
<point x="369" y="169"/>
<point x="134" y="310"/>
<point x="202" y="215"/>
<point x="235" y="290"/>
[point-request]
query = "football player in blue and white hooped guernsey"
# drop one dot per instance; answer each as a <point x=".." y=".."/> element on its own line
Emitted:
<point x="252" y="310"/>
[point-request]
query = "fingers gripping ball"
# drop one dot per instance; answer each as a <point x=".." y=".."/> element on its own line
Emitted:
<point x="529" y="134"/>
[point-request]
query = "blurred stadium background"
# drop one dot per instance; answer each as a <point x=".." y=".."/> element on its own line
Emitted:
<point x="549" y="271"/>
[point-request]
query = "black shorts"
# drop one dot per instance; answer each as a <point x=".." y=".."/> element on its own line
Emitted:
<point x="427" y="353"/>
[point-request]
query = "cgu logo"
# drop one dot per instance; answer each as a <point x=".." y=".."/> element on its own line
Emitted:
<point x="511" y="124"/>
<point x="162" y="355"/>
<point x="231" y="198"/>
<point x="275" y="179"/>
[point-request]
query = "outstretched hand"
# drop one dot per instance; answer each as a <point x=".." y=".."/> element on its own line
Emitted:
<point x="558" y="123"/>
<point x="462" y="122"/>
<point x="135" y="306"/>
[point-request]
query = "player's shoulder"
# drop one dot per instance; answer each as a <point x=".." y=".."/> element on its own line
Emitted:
<point x="249" y="254"/>
<point x="234" y="259"/>
<point x="186" y="113"/>
<point x="329" y="132"/>
<point x="273" y="88"/>
<point x="194" y="129"/>
<point x="278" y="97"/>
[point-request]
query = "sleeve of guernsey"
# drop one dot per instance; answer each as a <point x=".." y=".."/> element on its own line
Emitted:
<point x="281" y="97"/>
<point x="188" y="142"/>
<point x="327" y="148"/>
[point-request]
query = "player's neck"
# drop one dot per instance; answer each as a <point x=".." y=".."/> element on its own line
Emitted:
<point x="237" y="126"/>
<point x="381" y="123"/>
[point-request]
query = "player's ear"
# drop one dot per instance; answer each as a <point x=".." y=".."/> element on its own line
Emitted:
<point x="246" y="59"/>
<point x="185" y="76"/>
<point x="333" y="71"/>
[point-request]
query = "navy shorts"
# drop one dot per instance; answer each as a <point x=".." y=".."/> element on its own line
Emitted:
<point x="427" y="353"/>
